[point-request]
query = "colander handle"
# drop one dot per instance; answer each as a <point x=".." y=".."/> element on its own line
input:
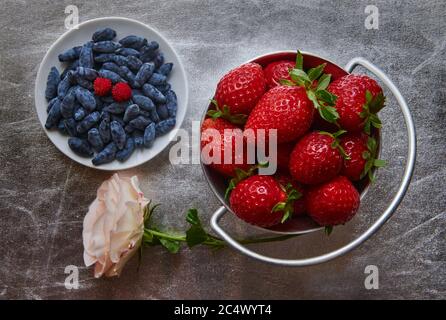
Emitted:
<point x="411" y="154"/>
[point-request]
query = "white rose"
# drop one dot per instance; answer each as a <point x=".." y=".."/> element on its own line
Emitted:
<point x="114" y="225"/>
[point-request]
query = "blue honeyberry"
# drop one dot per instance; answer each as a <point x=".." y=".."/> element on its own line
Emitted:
<point x="86" y="73"/>
<point x="157" y="79"/>
<point x="95" y="139"/>
<point x="153" y="93"/>
<point x="158" y="60"/>
<point x="165" y="69"/>
<point x="86" y="56"/>
<point x="103" y="34"/>
<point x="162" y="111"/>
<point x="143" y="102"/>
<point x="125" y="153"/>
<point x="116" y="107"/>
<point x="106" y="155"/>
<point x="164" y="126"/>
<point x="164" y="88"/>
<point x="149" y="135"/>
<point x="79" y="113"/>
<point x="132" y="41"/>
<point x="118" y="134"/>
<point x="51" y="83"/>
<point x="148" y="51"/>
<point x="140" y="123"/>
<point x="61" y="127"/>
<point x="67" y="105"/>
<point x="114" y="77"/>
<point x="54" y="115"/>
<point x="84" y="83"/>
<point x="139" y="141"/>
<point x="117" y="118"/>
<point x="70" y="127"/>
<point x="51" y="103"/>
<point x="129" y="129"/>
<point x="80" y="146"/>
<point x="71" y="67"/>
<point x="70" y="54"/>
<point x="64" y="85"/>
<point x="144" y="73"/>
<point x="131" y="112"/>
<point x="106" y="46"/>
<point x="104" y="130"/>
<point x="133" y="63"/>
<point x="86" y="99"/>
<point x="154" y="116"/>
<point x="88" y="122"/>
<point x="127" y="52"/>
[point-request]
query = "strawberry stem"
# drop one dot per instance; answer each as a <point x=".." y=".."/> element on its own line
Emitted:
<point x="372" y="161"/>
<point x="372" y="105"/>
<point x="322" y="99"/>
<point x="224" y="113"/>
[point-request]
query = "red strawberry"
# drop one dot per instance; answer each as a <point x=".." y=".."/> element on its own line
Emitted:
<point x="316" y="158"/>
<point x="299" y="204"/>
<point x="361" y="149"/>
<point x="283" y="156"/>
<point x="359" y="99"/>
<point x="278" y="70"/>
<point x="241" y="88"/>
<point x="285" y="108"/>
<point x="255" y="200"/>
<point x="334" y="202"/>
<point x="226" y="140"/>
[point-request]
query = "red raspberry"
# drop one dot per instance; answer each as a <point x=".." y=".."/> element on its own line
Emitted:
<point x="102" y="86"/>
<point x="121" y="92"/>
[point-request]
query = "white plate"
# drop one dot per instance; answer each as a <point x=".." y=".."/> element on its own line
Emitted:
<point x="123" y="27"/>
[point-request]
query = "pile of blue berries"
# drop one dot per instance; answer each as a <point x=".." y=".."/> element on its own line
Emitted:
<point x="100" y="126"/>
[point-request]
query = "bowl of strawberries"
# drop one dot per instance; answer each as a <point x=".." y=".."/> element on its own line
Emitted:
<point x="290" y="143"/>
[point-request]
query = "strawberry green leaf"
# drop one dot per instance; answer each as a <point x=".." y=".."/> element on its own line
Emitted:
<point x="371" y="144"/>
<point x="286" y="82"/>
<point x="379" y="163"/>
<point x="368" y="96"/>
<point x="299" y="60"/>
<point x="316" y="72"/>
<point x="299" y="76"/>
<point x="328" y="230"/>
<point x="225" y="113"/>
<point x="278" y="207"/>
<point x="339" y="133"/>
<point x="230" y="187"/>
<point x="377" y="103"/>
<point x="327" y="97"/>
<point x="328" y="113"/>
<point x="323" y="82"/>
<point x="366" y="155"/>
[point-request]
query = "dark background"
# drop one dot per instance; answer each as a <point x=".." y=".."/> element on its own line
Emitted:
<point x="44" y="195"/>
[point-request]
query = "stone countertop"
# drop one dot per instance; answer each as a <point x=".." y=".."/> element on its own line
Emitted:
<point x="44" y="195"/>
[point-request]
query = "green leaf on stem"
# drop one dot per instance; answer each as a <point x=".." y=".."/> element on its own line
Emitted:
<point x="323" y="82"/>
<point x="299" y="60"/>
<point x="172" y="246"/>
<point x="316" y="72"/>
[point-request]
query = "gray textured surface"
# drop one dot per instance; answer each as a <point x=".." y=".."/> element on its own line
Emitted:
<point x="44" y="195"/>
